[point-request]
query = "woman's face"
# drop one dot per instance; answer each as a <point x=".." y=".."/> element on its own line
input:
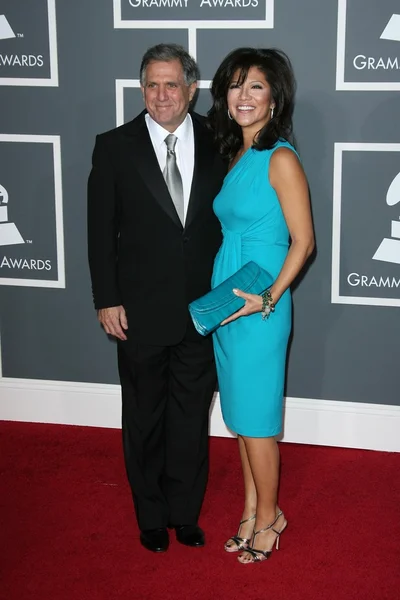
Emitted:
<point x="250" y="103"/>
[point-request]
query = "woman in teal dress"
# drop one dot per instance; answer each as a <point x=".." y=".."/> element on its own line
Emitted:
<point x="263" y="204"/>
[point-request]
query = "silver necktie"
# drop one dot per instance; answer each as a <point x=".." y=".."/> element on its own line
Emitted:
<point x="172" y="176"/>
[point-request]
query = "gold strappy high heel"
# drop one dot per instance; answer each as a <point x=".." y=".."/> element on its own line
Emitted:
<point x="241" y="543"/>
<point x="261" y="555"/>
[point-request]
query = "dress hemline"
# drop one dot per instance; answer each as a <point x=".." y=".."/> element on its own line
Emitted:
<point x="255" y="434"/>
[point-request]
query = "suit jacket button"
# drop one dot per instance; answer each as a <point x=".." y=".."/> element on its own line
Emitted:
<point x="185" y="240"/>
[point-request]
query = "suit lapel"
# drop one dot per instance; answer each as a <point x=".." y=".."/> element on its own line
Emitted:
<point x="149" y="169"/>
<point x="203" y="158"/>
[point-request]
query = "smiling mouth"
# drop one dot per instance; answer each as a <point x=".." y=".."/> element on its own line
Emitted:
<point x="245" y="108"/>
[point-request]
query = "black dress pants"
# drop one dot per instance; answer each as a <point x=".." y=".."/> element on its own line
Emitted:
<point x="166" y="396"/>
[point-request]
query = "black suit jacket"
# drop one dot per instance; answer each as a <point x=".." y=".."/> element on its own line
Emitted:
<point x="140" y="256"/>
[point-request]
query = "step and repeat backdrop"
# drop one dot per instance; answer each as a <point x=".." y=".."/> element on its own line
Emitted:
<point x="69" y="70"/>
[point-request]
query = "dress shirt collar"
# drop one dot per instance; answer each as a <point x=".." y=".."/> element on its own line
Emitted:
<point x="158" y="133"/>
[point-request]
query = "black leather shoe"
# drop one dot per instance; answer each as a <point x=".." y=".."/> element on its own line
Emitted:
<point x="156" y="540"/>
<point x="190" y="535"/>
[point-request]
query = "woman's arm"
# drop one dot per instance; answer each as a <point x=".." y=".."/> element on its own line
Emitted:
<point x="287" y="177"/>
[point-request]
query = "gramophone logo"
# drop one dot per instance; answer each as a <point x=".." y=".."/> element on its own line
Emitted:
<point x="389" y="249"/>
<point x="366" y="224"/>
<point x="6" y="32"/>
<point x="31" y="212"/>
<point x="28" y="43"/>
<point x="9" y="233"/>
<point x="368" y="49"/>
<point x="392" y="29"/>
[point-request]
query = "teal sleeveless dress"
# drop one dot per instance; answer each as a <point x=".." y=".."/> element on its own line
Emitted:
<point x="250" y="353"/>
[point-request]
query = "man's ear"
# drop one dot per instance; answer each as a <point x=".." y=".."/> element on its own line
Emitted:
<point x="192" y="90"/>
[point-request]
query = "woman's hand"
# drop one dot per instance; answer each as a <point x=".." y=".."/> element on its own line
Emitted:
<point x="253" y="305"/>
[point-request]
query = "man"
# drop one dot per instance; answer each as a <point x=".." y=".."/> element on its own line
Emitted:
<point x="152" y="239"/>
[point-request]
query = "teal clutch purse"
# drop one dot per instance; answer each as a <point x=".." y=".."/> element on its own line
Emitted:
<point x="210" y="310"/>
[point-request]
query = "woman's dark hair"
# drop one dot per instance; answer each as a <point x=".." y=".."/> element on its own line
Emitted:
<point x="278" y="72"/>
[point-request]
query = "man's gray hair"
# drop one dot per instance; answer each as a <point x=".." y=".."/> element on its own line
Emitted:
<point x="167" y="53"/>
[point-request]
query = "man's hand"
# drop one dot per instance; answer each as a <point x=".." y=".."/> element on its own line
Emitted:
<point x="114" y="321"/>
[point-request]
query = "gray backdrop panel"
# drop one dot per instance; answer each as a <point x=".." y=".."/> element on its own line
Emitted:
<point x="339" y="352"/>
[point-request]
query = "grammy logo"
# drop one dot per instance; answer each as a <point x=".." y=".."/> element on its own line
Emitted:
<point x="9" y="233"/>
<point x="389" y="248"/>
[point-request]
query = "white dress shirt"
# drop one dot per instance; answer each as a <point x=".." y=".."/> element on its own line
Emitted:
<point x="184" y="151"/>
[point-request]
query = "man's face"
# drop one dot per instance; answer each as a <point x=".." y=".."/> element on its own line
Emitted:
<point x="165" y="93"/>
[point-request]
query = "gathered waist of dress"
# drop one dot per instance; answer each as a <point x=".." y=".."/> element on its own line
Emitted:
<point x="234" y="253"/>
<point x="253" y="243"/>
<point x="237" y="253"/>
<point x="251" y="239"/>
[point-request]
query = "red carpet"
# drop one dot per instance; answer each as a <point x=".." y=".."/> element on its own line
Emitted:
<point x="67" y="529"/>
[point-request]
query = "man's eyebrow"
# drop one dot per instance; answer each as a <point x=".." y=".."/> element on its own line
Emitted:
<point x="175" y="81"/>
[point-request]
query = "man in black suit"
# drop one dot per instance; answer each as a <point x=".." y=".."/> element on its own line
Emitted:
<point x="152" y="238"/>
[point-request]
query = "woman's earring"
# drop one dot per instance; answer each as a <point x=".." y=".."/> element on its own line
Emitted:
<point x="272" y="112"/>
<point x="229" y="115"/>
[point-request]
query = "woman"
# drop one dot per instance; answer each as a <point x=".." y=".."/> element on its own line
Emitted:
<point x="264" y="201"/>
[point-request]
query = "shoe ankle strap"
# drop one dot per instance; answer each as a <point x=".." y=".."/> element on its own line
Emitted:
<point x="270" y="526"/>
<point x="252" y="518"/>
